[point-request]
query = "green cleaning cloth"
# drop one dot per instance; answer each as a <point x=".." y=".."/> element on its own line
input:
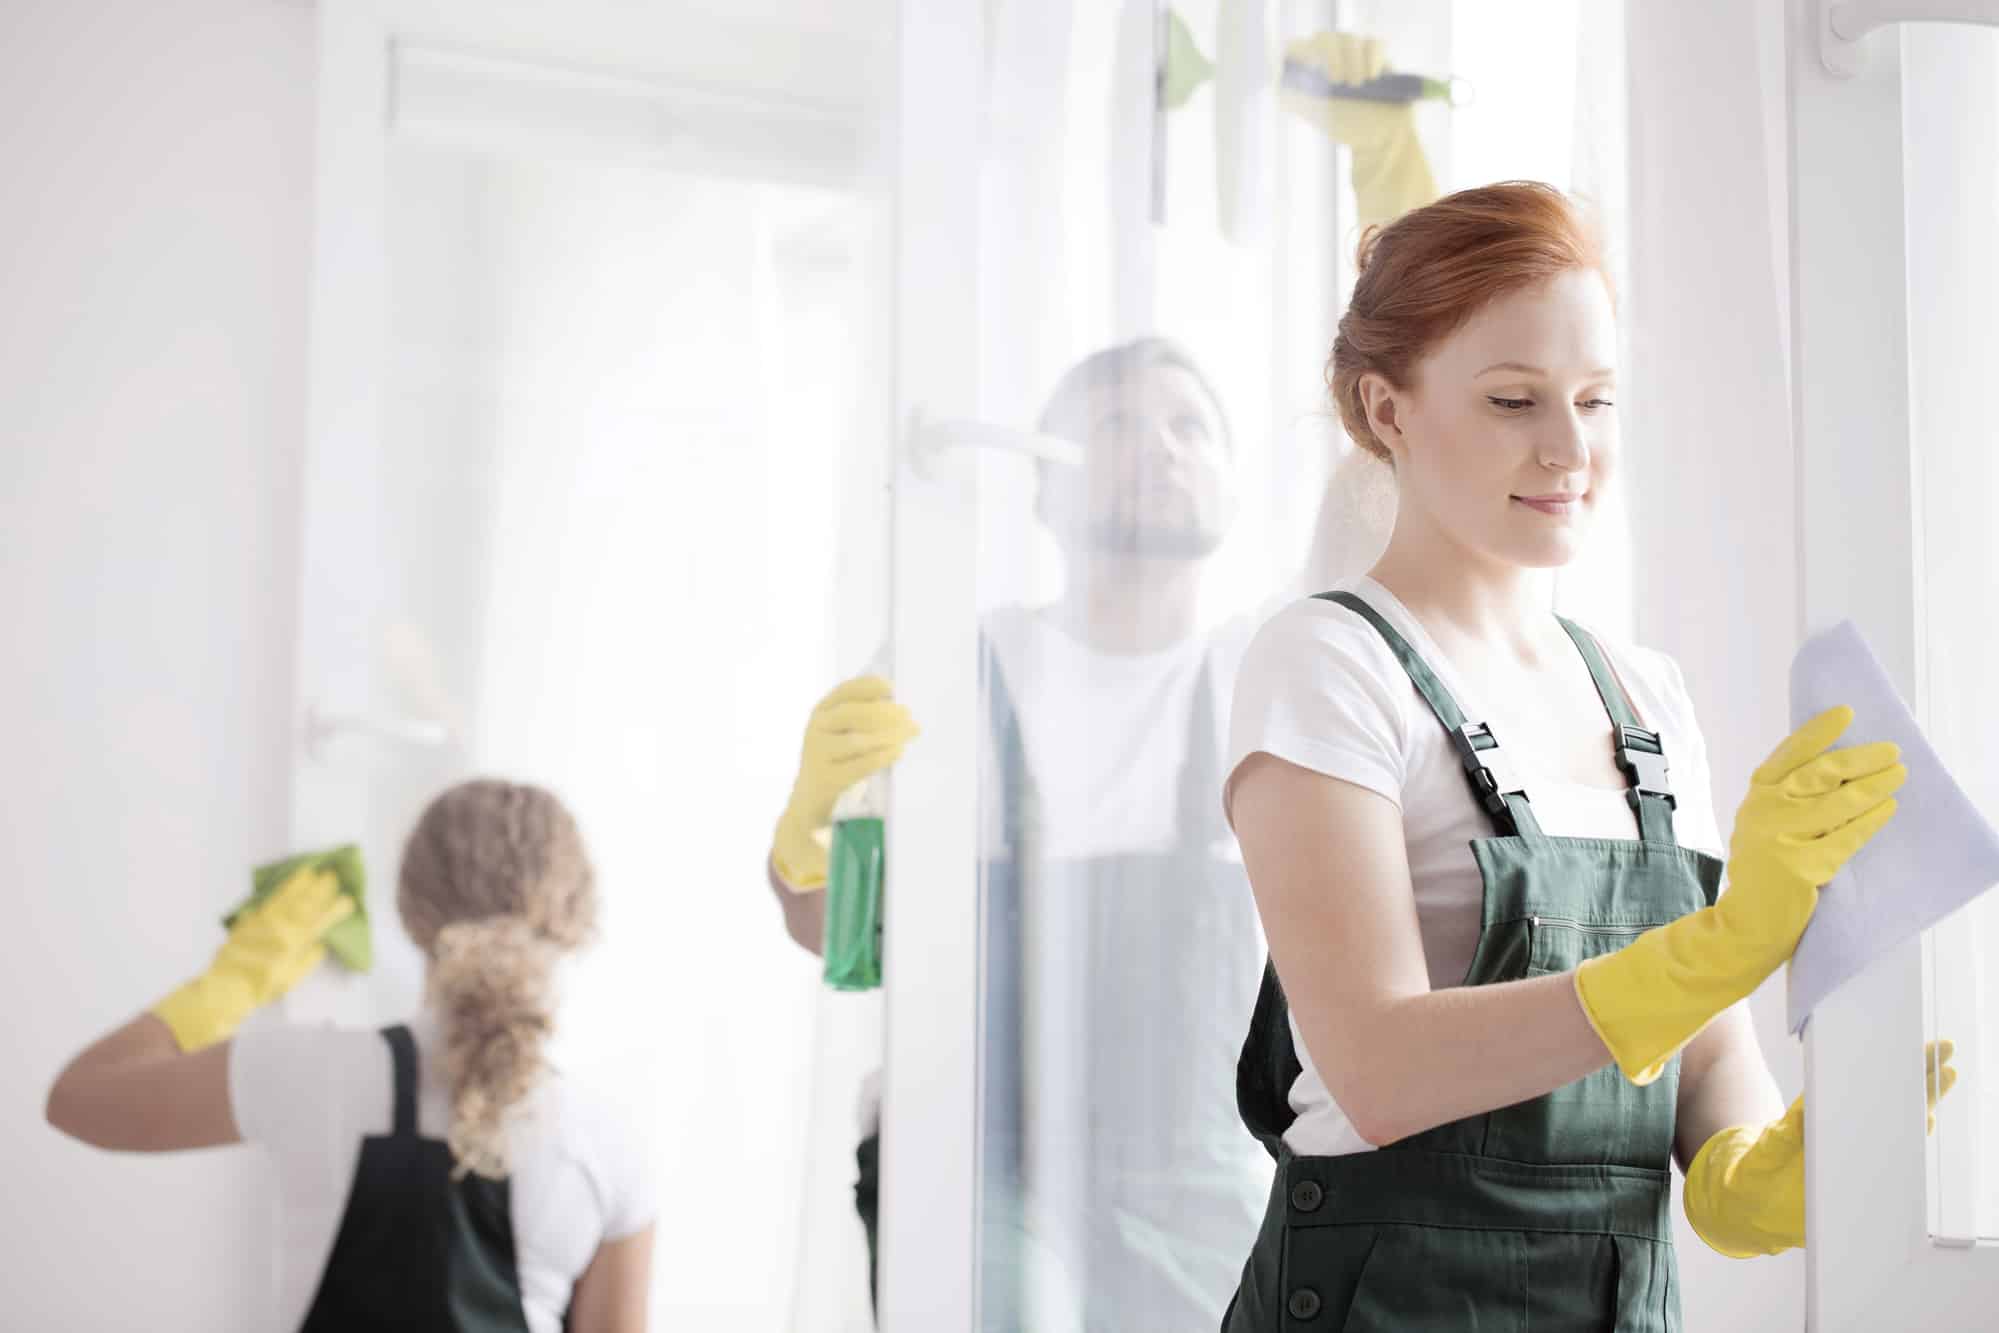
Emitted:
<point x="349" y="940"/>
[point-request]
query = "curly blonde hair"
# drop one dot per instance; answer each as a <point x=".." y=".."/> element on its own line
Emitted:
<point x="495" y="887"/>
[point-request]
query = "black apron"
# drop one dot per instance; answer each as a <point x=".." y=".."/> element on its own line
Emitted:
<point x="1550" y="1215"/>
<point x="417" y="1250"/>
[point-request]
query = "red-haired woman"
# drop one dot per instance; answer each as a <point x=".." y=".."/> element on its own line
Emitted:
<point x="1482" y="845"/>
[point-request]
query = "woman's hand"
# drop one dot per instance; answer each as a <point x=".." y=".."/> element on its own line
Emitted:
<point x="856" y="731"/>
<point x="269" y="949"/>
<point x="1390" y="173"/>
<point x="1809" y="809"/>
<point x="161" y="1082"/>
<point x="1745" y="1191"/>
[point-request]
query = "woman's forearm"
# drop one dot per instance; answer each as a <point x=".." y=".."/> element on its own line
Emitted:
<point x="135" y="1091"/>
<point x="1424" y="1060"/>
<point x="1329" y="868"/>
<point x="1724" y="1082"/>
<point x="804" y="913"/>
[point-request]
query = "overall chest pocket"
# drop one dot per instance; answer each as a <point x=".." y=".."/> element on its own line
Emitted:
<point x="1558" y="943"/>
<point x="1601" y="1117"/>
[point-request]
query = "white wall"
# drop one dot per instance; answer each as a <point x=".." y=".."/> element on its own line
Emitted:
<point x="1713" y="472"/>
<point x="155" y="162"/>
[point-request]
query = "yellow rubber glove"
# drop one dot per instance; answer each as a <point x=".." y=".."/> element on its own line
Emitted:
<point x="1390" y="173"/>
<point x="269" y="949"/>
<point x="1809" y="809"/>
<point x="1745" y="1192"/>
<point x="856" y="731"/>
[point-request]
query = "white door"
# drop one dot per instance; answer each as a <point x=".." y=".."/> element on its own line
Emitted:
<point x="1894" y="197"/>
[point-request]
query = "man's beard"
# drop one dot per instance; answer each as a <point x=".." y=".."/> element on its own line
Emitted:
<point x="1189" y="540"/>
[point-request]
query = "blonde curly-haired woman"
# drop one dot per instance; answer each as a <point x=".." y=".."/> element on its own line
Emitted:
<point x="434" y="1175"/>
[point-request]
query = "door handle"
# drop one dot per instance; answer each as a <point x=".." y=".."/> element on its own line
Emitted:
<point x="1844" y="24"/>
<point x="322" y="727"/>
<point x="929" y="440"/>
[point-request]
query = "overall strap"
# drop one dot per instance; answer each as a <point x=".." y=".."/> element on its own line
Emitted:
<point x="402" y="1052"/>
<point x="1197" y="819"/>
<point x="1002" y="1005"/>
<point x="1640" y="754"/>
<point x="1494" y="785"/>
<point x="1016" y="818"/>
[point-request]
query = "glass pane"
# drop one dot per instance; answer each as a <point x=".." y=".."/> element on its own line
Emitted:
<point x="1183" y="359"/>
<point x="632" y="465"/>
<point x="1953" y="335"/>
<point x="1121" y="947"/>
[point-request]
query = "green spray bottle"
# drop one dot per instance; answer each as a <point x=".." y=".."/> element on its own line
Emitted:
<point x="852" y="946"/>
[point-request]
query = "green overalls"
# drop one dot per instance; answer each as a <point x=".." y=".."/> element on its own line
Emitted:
<point x="418" y="1250"/>
<point x="1550" y="1215"/>
<point x="1138" y="944"/>
<point x="1139" y="959"/>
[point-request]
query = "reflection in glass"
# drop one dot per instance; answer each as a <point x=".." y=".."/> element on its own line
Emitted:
<point x="1121" y="943"/>
<point x="615" y="479"/>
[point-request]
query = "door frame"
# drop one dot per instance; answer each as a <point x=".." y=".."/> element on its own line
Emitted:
<point x="930" y="1198"/>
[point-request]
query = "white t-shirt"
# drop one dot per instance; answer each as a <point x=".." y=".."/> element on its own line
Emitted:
<point x="308" y="1095"/>
<point x="1105" y="735"/>
<point x="1320" y="688"/>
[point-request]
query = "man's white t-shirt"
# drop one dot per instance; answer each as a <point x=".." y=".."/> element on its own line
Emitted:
<point x="1105" y="735"/>
<point x="1104" y="738"/>
<point x="1320" y="688"/>
<point x="580" y="1176"/>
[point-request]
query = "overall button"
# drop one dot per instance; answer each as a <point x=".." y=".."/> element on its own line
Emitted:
<point x="1304" y="1303"/>
<point x="1306" y="1196"/>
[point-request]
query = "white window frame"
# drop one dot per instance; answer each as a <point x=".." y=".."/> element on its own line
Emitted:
<point x="928" y="1233"/>
<point x="1862" y="271"/>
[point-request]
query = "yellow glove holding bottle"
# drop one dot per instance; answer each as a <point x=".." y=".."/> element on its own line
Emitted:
<point x="1745" y="1192"/>
<point x="1809" y="809"/>
<point x="269" y="949"/>
<point x="856" y="731"/>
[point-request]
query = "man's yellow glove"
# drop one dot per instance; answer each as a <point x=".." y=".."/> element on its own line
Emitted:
<point x="1745" y="1192"/>
<point x="856" y="731"/>
<point x="1390" y="173"/>
<point x="271" y="947"/>
<point x="1809" y="809"/>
